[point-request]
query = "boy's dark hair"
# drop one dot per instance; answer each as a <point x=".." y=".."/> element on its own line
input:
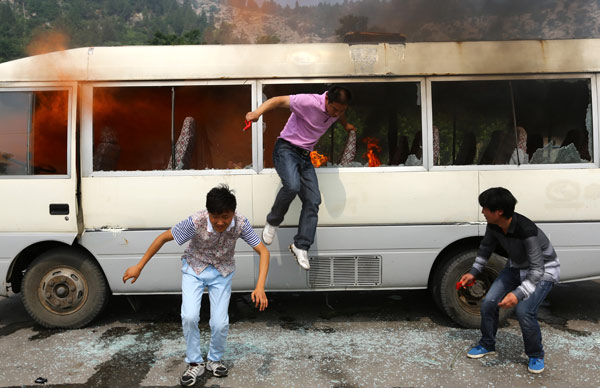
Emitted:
<point x="498" y="198"/>
<point x="339" y="94"/>
<point x="220" y="199"/>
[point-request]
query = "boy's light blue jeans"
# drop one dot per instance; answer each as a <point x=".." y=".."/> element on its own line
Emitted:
<point x="219" y="293"/>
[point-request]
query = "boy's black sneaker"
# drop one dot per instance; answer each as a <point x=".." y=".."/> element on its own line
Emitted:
<point x="191" y="373"/>
<point x="217" y="368"/>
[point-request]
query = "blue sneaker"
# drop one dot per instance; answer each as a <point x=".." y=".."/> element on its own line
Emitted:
<point x="478" y="352"/>
<point x="536" y="365"/>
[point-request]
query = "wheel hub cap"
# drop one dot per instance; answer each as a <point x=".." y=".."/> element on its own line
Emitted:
<point x="63" y="290"/>
<point x="478" y="289"/>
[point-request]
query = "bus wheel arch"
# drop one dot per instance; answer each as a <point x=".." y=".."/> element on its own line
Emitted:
<point x="442" y="258"/>
<point x="64" y="287"/>
<point x="463" y="305"/>
<point x="22" y="261"/>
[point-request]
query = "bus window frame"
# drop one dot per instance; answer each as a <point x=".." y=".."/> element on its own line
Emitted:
<point x="87" y="129"/>
<point x="71" y="89"/>
<point x="346" y="80"/>
<point x="594" y="85"/>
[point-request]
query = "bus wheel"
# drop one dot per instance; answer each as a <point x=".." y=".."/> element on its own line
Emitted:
<point x="64" y="288"/>
<point x="463" y="305"/>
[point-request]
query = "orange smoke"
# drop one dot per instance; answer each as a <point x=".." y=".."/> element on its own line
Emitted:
<point x="50" y="132"/>
<point x="141" y="116"/>
<point x="317" y="159"/>
<point x="373" y="149"/>
<point x="46" y="42"/>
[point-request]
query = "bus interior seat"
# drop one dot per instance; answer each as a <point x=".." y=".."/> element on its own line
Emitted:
<point x="108" y="150"/>
<point x="534" y="142"/>
<point x="415" y="148"/>
<point x="519" y="154"/>
<point x="349" y="150"/>
<point x="579" y="138"/>
<point x="436" y="145"/>
<point x="184" y="146"/>
<point x="401" y="153"/>
<point x="499" y="149"/>
<point x="505" y="148"/>
<point x="466" y="152"/>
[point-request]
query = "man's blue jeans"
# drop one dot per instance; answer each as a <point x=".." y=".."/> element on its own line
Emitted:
<point x="298" y="177"/>
<point x="526" y="311"/>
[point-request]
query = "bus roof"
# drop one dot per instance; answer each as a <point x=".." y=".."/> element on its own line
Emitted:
<point x="306" y="60"/>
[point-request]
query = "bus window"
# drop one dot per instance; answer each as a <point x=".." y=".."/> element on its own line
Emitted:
<point x="387" y="116"/>
<point x="132" y="128"/>
<point x="474" y="122"/>
<point x="33" y="133"/>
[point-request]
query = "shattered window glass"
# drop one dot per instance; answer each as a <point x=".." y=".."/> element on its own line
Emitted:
<point x="545" y="121"/>
<point x="33" y="133"/>
<point x="137" y="129"/>
<point x="387" y="116"/>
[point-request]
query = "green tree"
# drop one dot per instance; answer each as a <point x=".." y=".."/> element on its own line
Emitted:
<point x="10" y="39"/>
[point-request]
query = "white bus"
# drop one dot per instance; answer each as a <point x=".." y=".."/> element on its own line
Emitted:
<point x="88" y="136"/>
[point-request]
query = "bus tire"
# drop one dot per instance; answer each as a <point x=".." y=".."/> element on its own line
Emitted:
<point x="64" y="288"/>
<point x="463" y="305"/>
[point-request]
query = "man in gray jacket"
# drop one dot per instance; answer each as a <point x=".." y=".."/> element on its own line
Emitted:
<point x="528" y="277"/>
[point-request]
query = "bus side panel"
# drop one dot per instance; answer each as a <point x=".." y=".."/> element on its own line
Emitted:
<point x="116" y="250"/>
<point x="154" y="201"/>
<point x="550" y="195"/>
<point x="407" y="252"/>
<point x="11" y="244"/>
<point x="379" y="197"/>
<point x="577" y="247"/>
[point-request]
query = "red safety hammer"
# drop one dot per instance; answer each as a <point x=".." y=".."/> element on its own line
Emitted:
<point x="459" y="284"/>
<point x="248" y="125"/>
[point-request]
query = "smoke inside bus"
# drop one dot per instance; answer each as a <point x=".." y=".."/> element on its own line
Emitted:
<point x="33" y="132"/>
<point x="148" y="128"/>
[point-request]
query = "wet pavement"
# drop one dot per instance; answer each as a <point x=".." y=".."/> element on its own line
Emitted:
<point x="338" y="339"/>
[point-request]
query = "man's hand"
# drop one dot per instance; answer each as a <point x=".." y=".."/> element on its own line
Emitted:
<point x="349" y="127"/>
<point x="252" y="116"/>
<point x="509" y="301"/>
<point x="132" y="272"/>
<point x="466" y="279"/>
<point x="260" y="299"/>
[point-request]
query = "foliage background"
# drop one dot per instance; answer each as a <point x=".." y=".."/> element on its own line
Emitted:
<point x="30" y="27"/>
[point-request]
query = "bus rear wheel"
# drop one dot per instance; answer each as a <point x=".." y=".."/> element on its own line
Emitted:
<point x="64" y="288"/>
<point x="463" y="305"/>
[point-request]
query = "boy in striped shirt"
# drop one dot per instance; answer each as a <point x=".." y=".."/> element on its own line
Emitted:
<point x="528" y="277"/>
<point x="208" y="262"/>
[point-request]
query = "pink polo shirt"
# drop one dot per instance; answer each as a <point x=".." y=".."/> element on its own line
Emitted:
<point x="308" y="121"/>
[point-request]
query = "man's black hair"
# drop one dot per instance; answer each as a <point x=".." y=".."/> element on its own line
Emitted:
<point x="220" y="199"/>
<point x="498" y="198"/>
<point x="339" y="94"/>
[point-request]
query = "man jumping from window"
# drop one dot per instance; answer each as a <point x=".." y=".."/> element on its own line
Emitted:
<point x="312" y="115"/>
<point x="528" y="277"/>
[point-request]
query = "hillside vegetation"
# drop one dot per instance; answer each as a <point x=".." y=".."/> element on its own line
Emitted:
<point x="30" y="27"/>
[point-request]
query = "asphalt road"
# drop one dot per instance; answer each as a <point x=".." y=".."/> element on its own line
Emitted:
<point x="344" y="339"/>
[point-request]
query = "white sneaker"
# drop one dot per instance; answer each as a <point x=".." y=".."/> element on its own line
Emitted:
<point x="268" y="233"/>
<point x="301" y="256"/>
<point x="217" y="368"/>
<point x="191" y="373"/>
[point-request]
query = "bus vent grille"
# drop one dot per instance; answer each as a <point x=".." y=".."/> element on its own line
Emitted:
<point x="344" y="271"/>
